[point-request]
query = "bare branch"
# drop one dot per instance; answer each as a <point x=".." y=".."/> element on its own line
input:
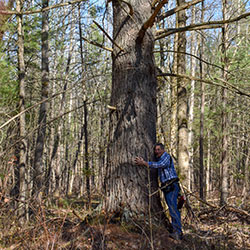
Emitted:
<point x="227" y="207"/>
<point x="14" y="12"/>
<point x="189" y="54"/>
<point x="97" y="44"/>
<point x="226" y="85"/>
<point x="200" y="26"/>
<point x="99" y="26"/>
<point x="179" y="8"/>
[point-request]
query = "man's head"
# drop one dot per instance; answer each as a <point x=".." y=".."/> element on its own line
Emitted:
<point x="158" y="150"/>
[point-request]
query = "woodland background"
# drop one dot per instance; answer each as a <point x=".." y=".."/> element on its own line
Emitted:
<point x="55" y="91"/>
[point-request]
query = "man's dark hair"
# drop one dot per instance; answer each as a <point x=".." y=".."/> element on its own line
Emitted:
<point x="159" y="144"/>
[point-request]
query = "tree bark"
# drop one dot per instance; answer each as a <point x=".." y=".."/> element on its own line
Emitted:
<point x="39" y="168"/>
<point x="173" y="119"/>
<point x="22" y="122"/>
<point x="224" y="128"/>
<point x="208" y="165"/>
<point x="182" y="115"/>
<point x="202" y="109"/>
<point x="193" y="65"/>
<point x="133" y="116"/>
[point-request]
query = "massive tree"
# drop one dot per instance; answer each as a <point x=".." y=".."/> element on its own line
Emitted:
<point x="132" y="110"/>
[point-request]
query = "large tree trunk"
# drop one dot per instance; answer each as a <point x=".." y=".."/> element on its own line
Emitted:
<point x="133" y="113"/>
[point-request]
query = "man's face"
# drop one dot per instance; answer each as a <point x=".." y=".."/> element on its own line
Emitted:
<point x="158" y="151"/>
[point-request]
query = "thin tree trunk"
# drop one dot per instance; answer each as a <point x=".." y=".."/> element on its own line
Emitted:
<point x="208" y="166"/>
<point x="39" y="168"/>
<point x="246" y="185"/>
<point x="22" y="123"/>
<point x="193" y="65"/>
<point x="224" y="156"/>
<point x="183" y="157"/>
<point x="102" y="143"/>
<point x="58" y="136"/>
<point x="161" y="134"/>
<point x="85" y="109"/>
<point x="202" y="108"/>
<point x="173" y="119"/>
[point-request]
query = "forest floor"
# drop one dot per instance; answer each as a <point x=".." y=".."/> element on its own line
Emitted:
<point x="67" y="226"/>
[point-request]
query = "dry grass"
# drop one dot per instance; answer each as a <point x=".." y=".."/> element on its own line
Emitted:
<point x="66" y="227"/>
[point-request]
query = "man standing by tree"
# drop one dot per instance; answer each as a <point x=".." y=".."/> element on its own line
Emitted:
<point x="169" y="183"/>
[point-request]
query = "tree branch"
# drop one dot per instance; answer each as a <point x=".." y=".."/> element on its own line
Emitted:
<point x="14" y="12"/>
<point x="150" y="22"/>
<point x="200" y="26"/>
<point x="99" y="26"/>
<point x="197" y="57"/>
<point x="227" y="207"/>
<point x="97" y="44"/>
<point x="226" y="85"/>
<point x="179" y="8"/>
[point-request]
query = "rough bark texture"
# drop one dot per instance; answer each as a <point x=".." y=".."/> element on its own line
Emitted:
<point x="38" y="161"/>
<point x="133" y="122"/>
<point x="174" y="122"/>
<point x="183" y="158"/>
<point x="22" y="122"/>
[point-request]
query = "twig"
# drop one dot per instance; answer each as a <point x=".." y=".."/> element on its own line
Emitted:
<point x="229" y="87"/>
<point x="99" y="26"/>
<point x="97" y="44"/>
